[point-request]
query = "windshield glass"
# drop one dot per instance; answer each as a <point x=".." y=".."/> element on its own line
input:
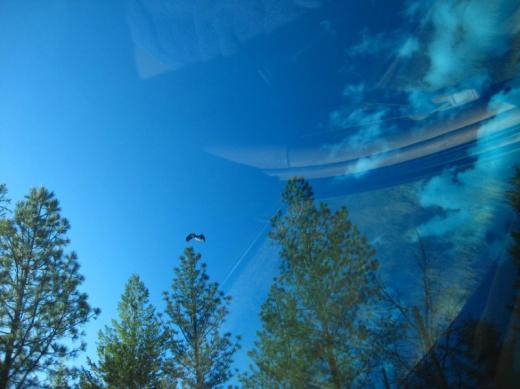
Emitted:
<point x="260" y="193"/>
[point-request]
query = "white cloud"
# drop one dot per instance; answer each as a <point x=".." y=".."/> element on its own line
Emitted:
<point x="372" y="44"/>
<point x="459" y="41"/>
<point x="364" y="165"/>
<point x="410" y="47"/>
<point x="474" y="197"/>
<point x="466" y="36"/>
<point x="354" y="90"/>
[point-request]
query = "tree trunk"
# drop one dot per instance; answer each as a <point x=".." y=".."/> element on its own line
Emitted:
<point x="6" y="366"/>
<point x="429" y="348"/>
<point x="331" y="360"/>
<point x="385" y="378"/>
<point x="15" y="324"/>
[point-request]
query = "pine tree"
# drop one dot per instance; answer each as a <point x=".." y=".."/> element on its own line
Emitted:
<point x="41" y="309"/>
<point x="131" y="352"/>
<point x="315" y="321"/>
<point x="62" y="377"/>
<point x="510" y="372"/>
<point x="197" y="309"/>
<point x="3" y="200"/>
<point x="513" y="195"/>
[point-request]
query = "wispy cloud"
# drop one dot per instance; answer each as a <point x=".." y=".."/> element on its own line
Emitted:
<point x="465" y="39"/>
<point x="476" y="194"/>
<point x="410" y="47"/>
<point x="327" y="26"/>
<point x="459" y="46"/>
<point x="369" y="131"/>
<point x="466" y="36"/>
<point x="363" y="165"/>
<point x="354" y="91"/>
<point x="371" y="44"/>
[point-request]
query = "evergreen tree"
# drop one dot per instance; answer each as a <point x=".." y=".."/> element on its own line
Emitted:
<point x="41" y="309"/>
<point x="197" y="310"/>
<point x="510" y="371"/>
<point x="513" y="195"/>
<point x="466" y="356"/>
<point x="62" y="377"/>
<point x="3" y="200"/>
<point x="131" y="352"/>
<point x="88" y="380"/>
<point x="315" y="322"/>
<point x="436" y="344"/>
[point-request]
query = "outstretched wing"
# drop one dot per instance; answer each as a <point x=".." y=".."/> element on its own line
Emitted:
<point x="202" y="237"/>
<point x="190" y="237"/>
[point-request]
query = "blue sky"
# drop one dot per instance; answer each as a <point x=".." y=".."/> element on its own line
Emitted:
<point x="139" y="116"/>
<point x="125" y="155"/>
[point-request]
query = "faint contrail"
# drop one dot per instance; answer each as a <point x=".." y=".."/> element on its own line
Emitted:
<point x="241" y="258"/>
<point x="265" y="74"/>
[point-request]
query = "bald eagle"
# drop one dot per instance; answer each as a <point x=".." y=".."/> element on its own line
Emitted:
<point x="197" y="237"/>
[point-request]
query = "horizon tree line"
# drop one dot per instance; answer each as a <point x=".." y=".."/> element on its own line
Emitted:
<point x="144" y="349"/>
<point x="43" y="313"/>
<point x="327" y="321"/>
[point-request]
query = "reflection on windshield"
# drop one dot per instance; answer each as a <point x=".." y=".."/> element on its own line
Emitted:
<point x="262" y="194"/>
<point x="171" y="34"/>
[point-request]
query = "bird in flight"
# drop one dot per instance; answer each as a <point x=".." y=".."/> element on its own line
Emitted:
<point x="197" y="237"/>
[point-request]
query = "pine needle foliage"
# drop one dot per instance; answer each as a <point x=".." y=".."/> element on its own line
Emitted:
<point x="316" y="320"/>
<point x="132" y="351"/>
<point x="197" y="311"/>
<point x="42" y="311"/>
